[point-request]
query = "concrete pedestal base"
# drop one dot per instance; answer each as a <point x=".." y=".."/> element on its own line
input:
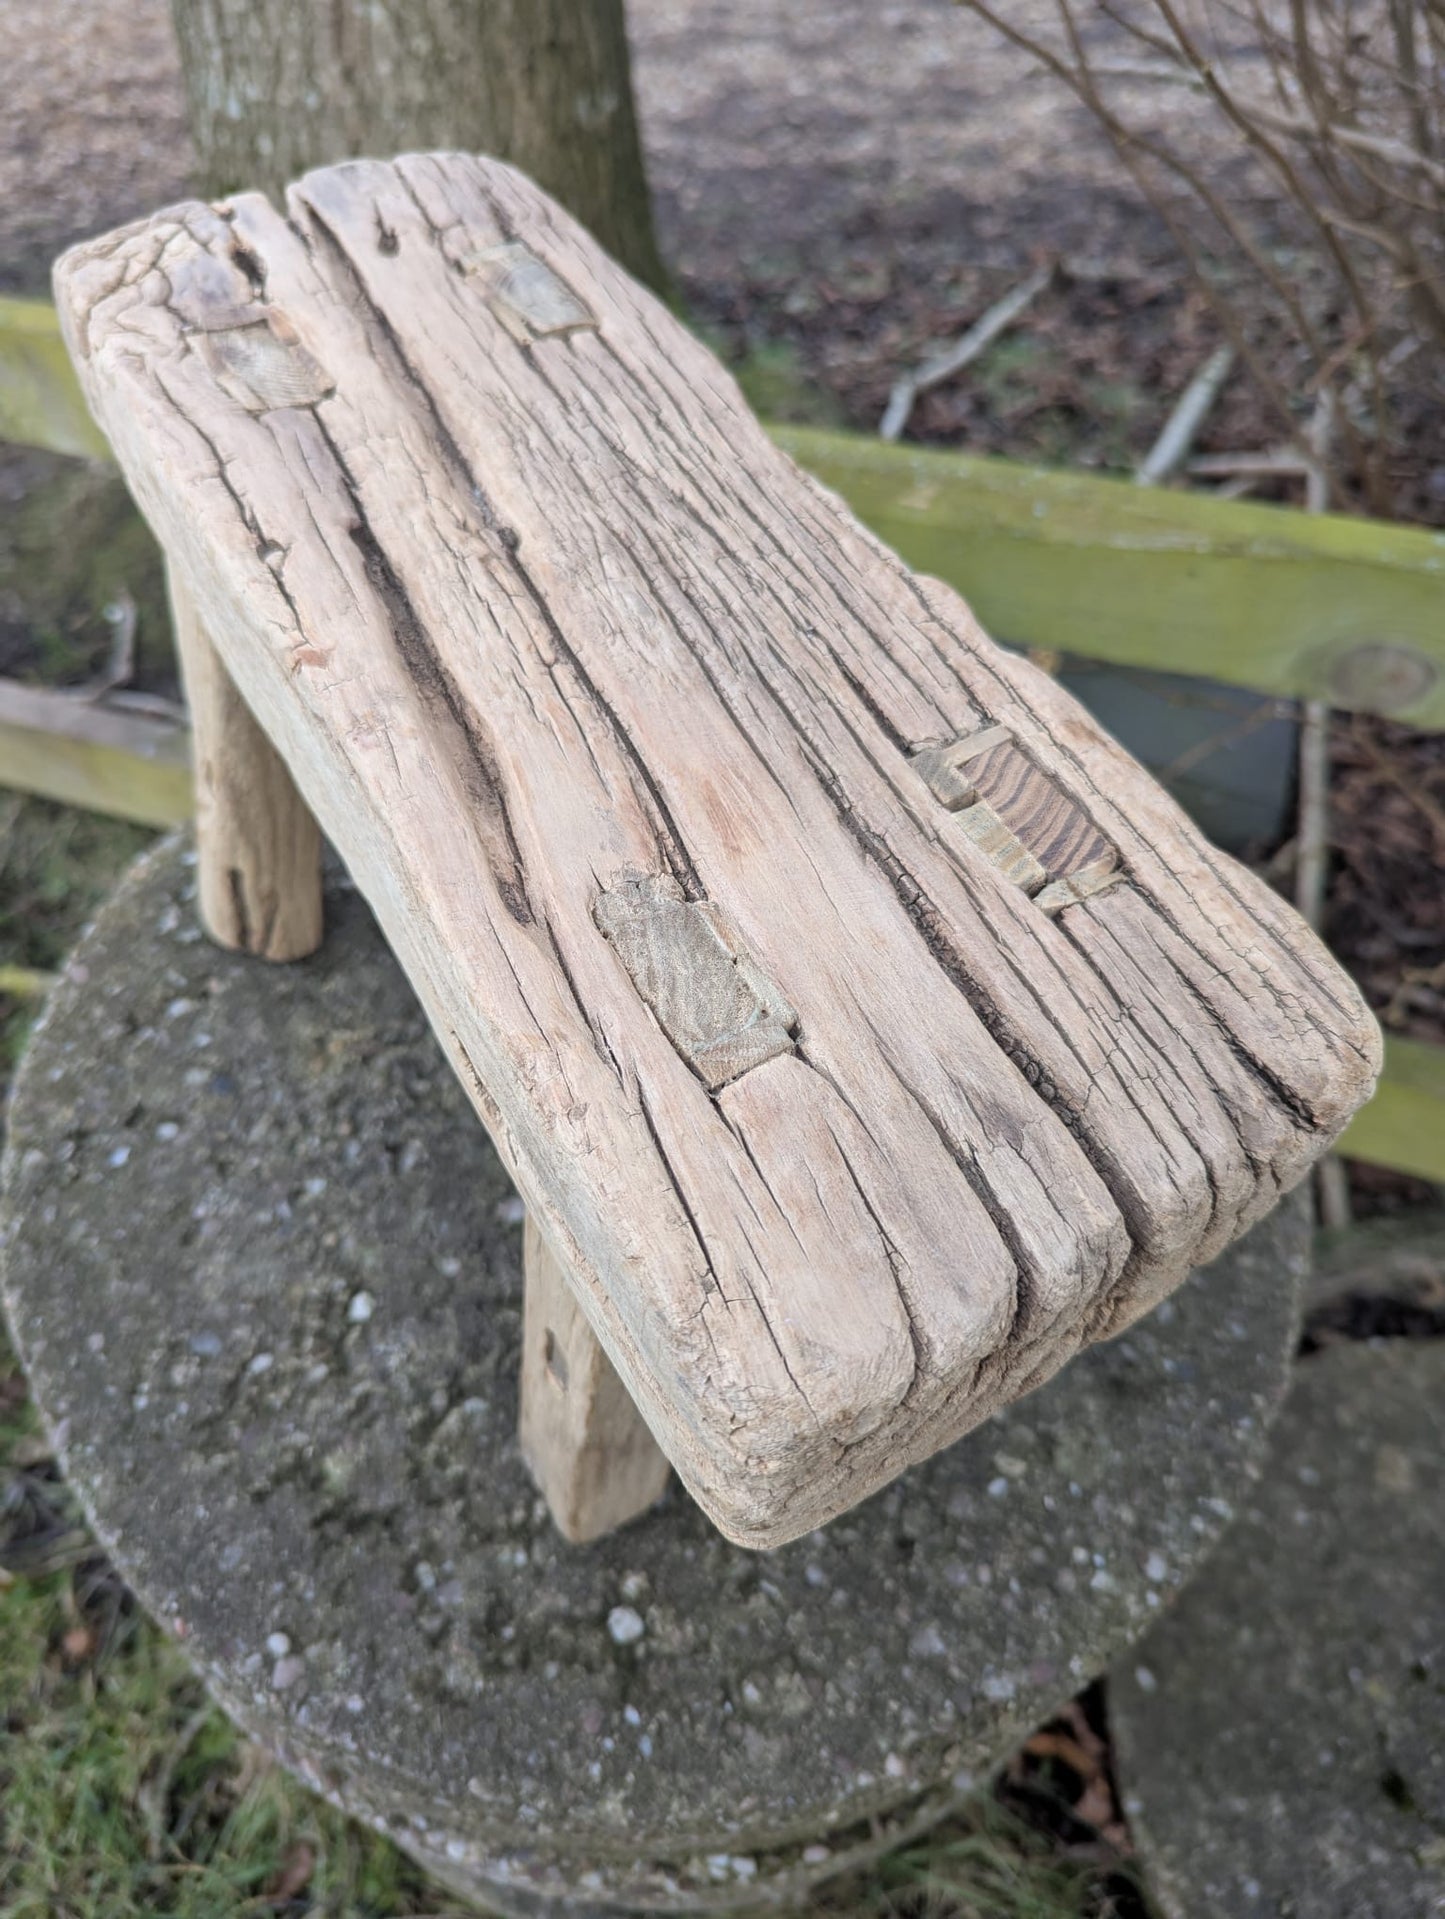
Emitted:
<point x="264" y="1267"/>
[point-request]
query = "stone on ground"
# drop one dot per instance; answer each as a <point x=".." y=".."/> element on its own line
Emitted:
<point x="264" y="1267"/>
<point x="1281" y="1735"/>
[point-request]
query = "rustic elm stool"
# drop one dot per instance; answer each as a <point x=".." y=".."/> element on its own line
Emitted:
<point x="864" y="1030"/>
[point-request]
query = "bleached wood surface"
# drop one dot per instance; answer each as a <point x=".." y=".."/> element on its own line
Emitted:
<point x="537" y="615"/>
<point x="258" y="853"/>
<point x="589" y="1449"/>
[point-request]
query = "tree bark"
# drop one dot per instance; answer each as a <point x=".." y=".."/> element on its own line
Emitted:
<point x="279" y="86"/>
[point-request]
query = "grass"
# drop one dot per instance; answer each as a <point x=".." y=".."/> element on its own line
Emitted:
<point x="71" y="546"/>
<point x="777" y="386"/>
<point x="775" y="379"/>
<point x="987" y="1865"/>
<point x="124" y="1793"/>
<point x="56" y="865"/>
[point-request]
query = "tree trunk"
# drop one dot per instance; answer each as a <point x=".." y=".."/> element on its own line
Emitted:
<point x="279" y="86"/>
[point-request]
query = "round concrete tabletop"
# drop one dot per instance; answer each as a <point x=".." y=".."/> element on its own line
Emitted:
<point x="264" y="1267"/>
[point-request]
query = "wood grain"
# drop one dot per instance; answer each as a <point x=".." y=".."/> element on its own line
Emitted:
<point x="588" y="1447"/>
<point x="533" y="621"/>
<point x="258" y="853"/>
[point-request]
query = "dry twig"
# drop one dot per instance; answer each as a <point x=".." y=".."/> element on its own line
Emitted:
<point x="1342" y="107"/>
<point x="945" y="362"/>
<point x="1171" y="449"/>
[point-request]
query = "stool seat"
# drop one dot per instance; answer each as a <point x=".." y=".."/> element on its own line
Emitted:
<point x="864" y="1029"/>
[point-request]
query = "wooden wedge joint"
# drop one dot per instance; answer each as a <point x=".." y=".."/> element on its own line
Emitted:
<point x="1019" y="818"/>
<point x="529" y="299"/>
<point x="250" y="348"/>
<point x="690" y="966"/>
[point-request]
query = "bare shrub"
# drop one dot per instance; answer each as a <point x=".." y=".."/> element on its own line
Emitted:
<point x="1337" y="107"/>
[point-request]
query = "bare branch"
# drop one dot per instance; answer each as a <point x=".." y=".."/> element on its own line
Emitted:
<point x="1342" y="104"/>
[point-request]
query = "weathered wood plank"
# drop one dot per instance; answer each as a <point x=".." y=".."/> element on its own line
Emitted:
<point x="841" y="1136"/>
<point x="131" y="766"/>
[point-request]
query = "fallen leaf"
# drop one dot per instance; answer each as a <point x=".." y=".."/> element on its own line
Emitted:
<point x="1059" y="1745"/>
<point x="1095" y="1804"/>
<point x="294" y="1876"/>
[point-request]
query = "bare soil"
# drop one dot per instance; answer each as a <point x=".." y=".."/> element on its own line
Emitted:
<point x="844" y="183"/>
<point x="789" y="137"/>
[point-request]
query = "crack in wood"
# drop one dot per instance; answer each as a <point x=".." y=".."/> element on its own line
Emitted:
<point x="389" y="348"/>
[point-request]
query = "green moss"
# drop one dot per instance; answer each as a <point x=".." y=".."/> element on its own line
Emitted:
<point x="774" y="378"/>
<point x="56" y="865"/>
<point x="777" y="386"/>
<point x="985" y="1865"/>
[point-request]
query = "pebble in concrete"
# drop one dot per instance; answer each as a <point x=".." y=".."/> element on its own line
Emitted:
<point x="658" y="1720"/>
<point x="1281" y="1735"/>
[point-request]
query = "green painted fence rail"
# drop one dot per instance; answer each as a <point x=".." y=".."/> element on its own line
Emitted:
<point x="1308" y="606"/>
<point x="40" y="403"/>
<point x="104" y="759"/>
<point x="1296" y="605"/>
<point x="1404" y="1124"/>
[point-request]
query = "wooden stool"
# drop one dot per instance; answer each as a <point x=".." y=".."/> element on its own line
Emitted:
<point x="865" y="1030"/>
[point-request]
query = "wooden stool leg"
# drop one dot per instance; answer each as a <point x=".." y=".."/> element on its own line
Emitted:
<point x="589" y="1449"/>
<point x="258" y="848"/>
